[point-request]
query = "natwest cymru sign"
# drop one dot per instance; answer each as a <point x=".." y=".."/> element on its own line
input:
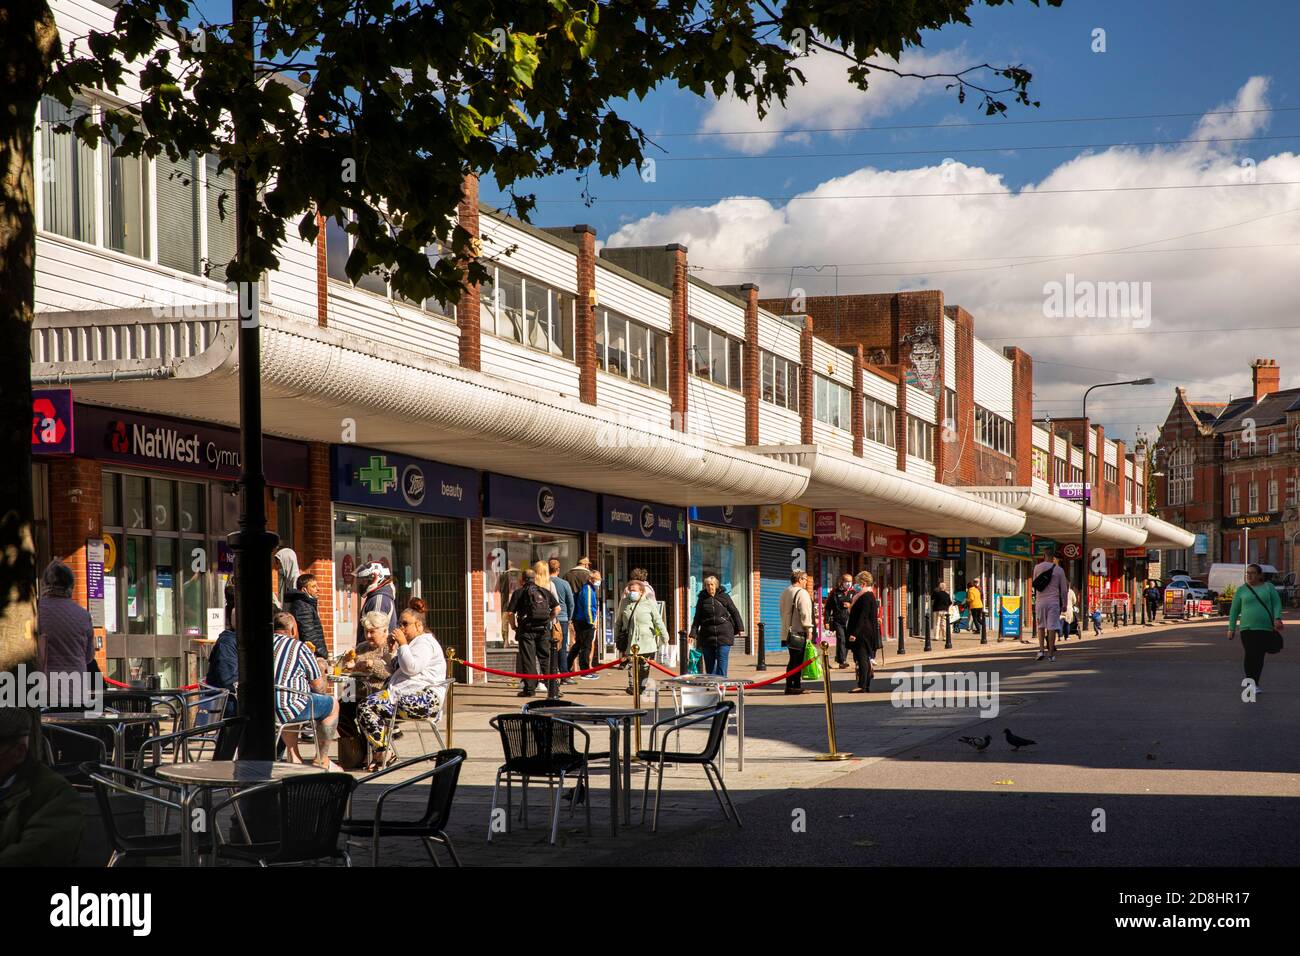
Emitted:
<point x="173" y="444"/>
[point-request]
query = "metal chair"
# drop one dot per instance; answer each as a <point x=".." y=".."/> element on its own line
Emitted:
<point x="537" y="745"/>
<point x="68" y="751"/>
<point x="446" y="689"/>
<point x="552" y="703"/>
<point x="296" y="725"/>
<point x="311" y="810"/>
<point x="109" y="780"/>
<point x="431" y="827"/>
<point x="223" y="736"/>
<point x="717" y="718"/>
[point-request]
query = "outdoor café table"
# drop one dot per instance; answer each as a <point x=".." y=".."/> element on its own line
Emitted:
<point x="221" y="775"/>
<point x="723" y="684"/>
<point x="116" y="721"/>
<point x="614" y="718"/>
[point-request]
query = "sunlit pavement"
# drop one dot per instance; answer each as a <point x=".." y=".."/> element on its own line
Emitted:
<point x="1145" y="724"/>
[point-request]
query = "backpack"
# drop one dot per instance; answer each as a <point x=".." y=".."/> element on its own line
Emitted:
<point x="1043" y="580"/>
<point x="534" y="609"/>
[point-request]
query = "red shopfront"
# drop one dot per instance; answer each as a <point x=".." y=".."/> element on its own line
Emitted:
<point x="838" y="543"/>
<point x="887" y="550"/>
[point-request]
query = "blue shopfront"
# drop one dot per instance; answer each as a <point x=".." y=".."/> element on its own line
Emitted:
<point x="524" y="522"/>
<point x="719" y="543"/>
<point x="639" y="535"/>
<point x="409" y="515"/>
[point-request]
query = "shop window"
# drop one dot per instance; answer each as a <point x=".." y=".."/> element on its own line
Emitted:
<point x="832" y="403"/>
<point x="507" y="553"/>
<point x="879" y="421"/>
<point x="716" y="356"/>
<point x="68" y="190"/>
<point x="779" y="381"/>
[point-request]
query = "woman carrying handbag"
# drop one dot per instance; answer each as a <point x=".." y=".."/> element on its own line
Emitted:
<point x="1259" y="608"/>
<point x="863" y="630"/>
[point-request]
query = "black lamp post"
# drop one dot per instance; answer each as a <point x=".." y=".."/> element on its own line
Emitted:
<point x="1083" y="496"/>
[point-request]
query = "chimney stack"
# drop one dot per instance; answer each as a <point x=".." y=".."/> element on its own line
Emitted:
<point x="1266" y="376"/>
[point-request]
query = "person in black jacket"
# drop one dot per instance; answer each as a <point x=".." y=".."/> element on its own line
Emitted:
<point x="300" y="601"/>
<point x="716" y="626"/>
<point x="863" y="630"/>
<point x="836" y="613"/>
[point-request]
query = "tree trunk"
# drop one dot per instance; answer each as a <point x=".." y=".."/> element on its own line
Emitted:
<point x="29" y="44"/>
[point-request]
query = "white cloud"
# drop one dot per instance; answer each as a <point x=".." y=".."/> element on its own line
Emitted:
<point x="1227" y="288"/>
<point x="828" y="100"/>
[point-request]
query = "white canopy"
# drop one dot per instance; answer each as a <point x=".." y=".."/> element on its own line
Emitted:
<point x="1062" y="519"/>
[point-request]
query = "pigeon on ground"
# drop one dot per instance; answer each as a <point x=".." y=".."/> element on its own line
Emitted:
<point x="1015" y="741"/>
<point x="979" y="743"/>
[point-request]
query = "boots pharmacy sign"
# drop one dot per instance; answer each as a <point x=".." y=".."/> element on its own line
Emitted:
<point x="382" y="479"/>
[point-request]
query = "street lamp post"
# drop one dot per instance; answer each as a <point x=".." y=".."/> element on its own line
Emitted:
<point x="1083" y="497"/>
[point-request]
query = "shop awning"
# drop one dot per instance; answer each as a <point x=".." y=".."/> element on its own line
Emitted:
<point x="1160" y="533"/>
<point x="1061" y="519"/>
<point x="856" y="486"/>
<point x="322" y="385"/>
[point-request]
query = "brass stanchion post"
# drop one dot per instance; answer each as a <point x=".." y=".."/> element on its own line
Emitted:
<point x="451" y="694"/>
<point x="636" y="689"/>
<point x="834" y="754"/>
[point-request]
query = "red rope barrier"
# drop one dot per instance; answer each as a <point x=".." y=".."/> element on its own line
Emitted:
<point x="493" y="670"/>
<point x="109" y="680"/>
<point x="658" y="666"/>
<point x="762" y="683"/>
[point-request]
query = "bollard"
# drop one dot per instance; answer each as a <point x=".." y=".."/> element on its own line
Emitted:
<point x="834" y="754"/>
<point x="683" y="652"/>
<point x="762" y="647"/>
<point x="984" y="629"/>
<point x="902" y="648"/>
<point x="929" y="620"/>
<point x="636" y="688"/>
<point x="449" y="703"/>
<point x="947" y="633"/>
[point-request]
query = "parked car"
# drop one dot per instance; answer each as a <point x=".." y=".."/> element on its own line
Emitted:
<point x="1197" y="590"/>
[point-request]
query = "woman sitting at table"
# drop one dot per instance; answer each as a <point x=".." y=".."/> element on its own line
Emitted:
<point x="414" y="689"/>
<point x="369" y="664"/>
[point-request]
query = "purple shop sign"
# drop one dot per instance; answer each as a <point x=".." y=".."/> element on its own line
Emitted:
<point x="1074" y="491"/>
<point x="95" y="568"/>
<point x="174" y="444"/>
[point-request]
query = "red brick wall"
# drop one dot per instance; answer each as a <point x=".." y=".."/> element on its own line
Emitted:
<point x="1022" y="401"/>
<point x="859" y="424"/>
<point x="960" y="465"/>
<point x="679" y="337"/>
<point x="751" y="380"/>
<point x="806" y="382"/>
<point x="467" y="310"/>
<point x="76" y="513"/>
<point x="476" y="626"/>
<point x="585" y="320"/>
<point x="322" y="275"/>
<point x="316" y="534"/>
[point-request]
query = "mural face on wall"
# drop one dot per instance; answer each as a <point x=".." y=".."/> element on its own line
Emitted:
<point x="922" y="364"/>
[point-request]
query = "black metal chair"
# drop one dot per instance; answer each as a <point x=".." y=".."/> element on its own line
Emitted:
<point x="553" y="703"/>
<point x="311" y="811"/>
<point x="223" y="736"/>
<point x="431" y="827"/>
<point x="107" y="781"/>
<point x="716" y="717"/>
<point x="67" y="751"/>
<point x="538" y="745"/>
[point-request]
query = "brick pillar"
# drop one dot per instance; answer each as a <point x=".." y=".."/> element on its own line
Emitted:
<point x="322" y="274"/>
<point x="467" y="310"/>
<point x="584" y="333"/>
<point x="751" y="622"/>
<point x="680" y="590"/>
<point x="752" y="372"/>
<point x="806" y="382"/>
<point x="1102" y="500"/>
<point x="900" y="419"/>
<point x="962" y="469"/>
<point x="1022" y="401"/>
<point x="76" y="513"/>
<point x="317" y="554"/>
<point x="1122" y="473"/>
<point x="1051" y="459"/>
<point x="859" y="425"/>
<point x="679" y="338"/>
<point x="476" y="626"/>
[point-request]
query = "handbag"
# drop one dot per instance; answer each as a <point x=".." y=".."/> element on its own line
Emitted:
<point x="1275" y="640"/>
<point x="694" y="662"/>
<point x="810" y="653"/>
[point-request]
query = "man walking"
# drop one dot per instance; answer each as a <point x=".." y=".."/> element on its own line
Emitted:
<point x="940" y="601"/>
<point x="838" y="604"/>
<point x="564" y="593"/>
<point x="796" y="626"/>
<point x="533" y="608"/>
<point x="1051" y="594"/>
<point x="1152" y="595"/>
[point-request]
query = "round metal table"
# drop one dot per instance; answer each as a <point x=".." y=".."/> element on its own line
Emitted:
<point x="116" y="721"/>
<point x="722" y="684"/>
<point x="222" y="775"/>
<point x="620" y="783"/>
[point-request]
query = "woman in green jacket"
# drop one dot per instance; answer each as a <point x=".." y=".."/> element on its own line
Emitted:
<point x="639" y="623"/>
<point x="1259" y="608"/>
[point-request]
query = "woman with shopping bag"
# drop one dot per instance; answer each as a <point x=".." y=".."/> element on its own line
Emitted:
<point x="796" y="627"/>
<point x="637" y="623"/>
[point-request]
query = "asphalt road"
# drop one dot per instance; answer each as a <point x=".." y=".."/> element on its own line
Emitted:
<point x="1147" y="735"/>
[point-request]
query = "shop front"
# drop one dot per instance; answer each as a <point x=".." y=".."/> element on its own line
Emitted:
<point x="718" y="543"/>
<point x="1001" y="566"/>
<point x="410" y="516"/>
<point x="156" y="574"/>
<point x="886" y="548"/>
<point x="838" y="541"/>
<point x="783" y="535"/>
<point x="524" y="522"/>
<point x="638" y="535"/>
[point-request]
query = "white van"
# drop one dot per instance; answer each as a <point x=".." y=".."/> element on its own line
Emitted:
<point x="1221" y="575"/>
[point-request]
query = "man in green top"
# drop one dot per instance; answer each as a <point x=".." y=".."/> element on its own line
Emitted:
<point x="1259" y="608"/>
<point x="40" y="816"/>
